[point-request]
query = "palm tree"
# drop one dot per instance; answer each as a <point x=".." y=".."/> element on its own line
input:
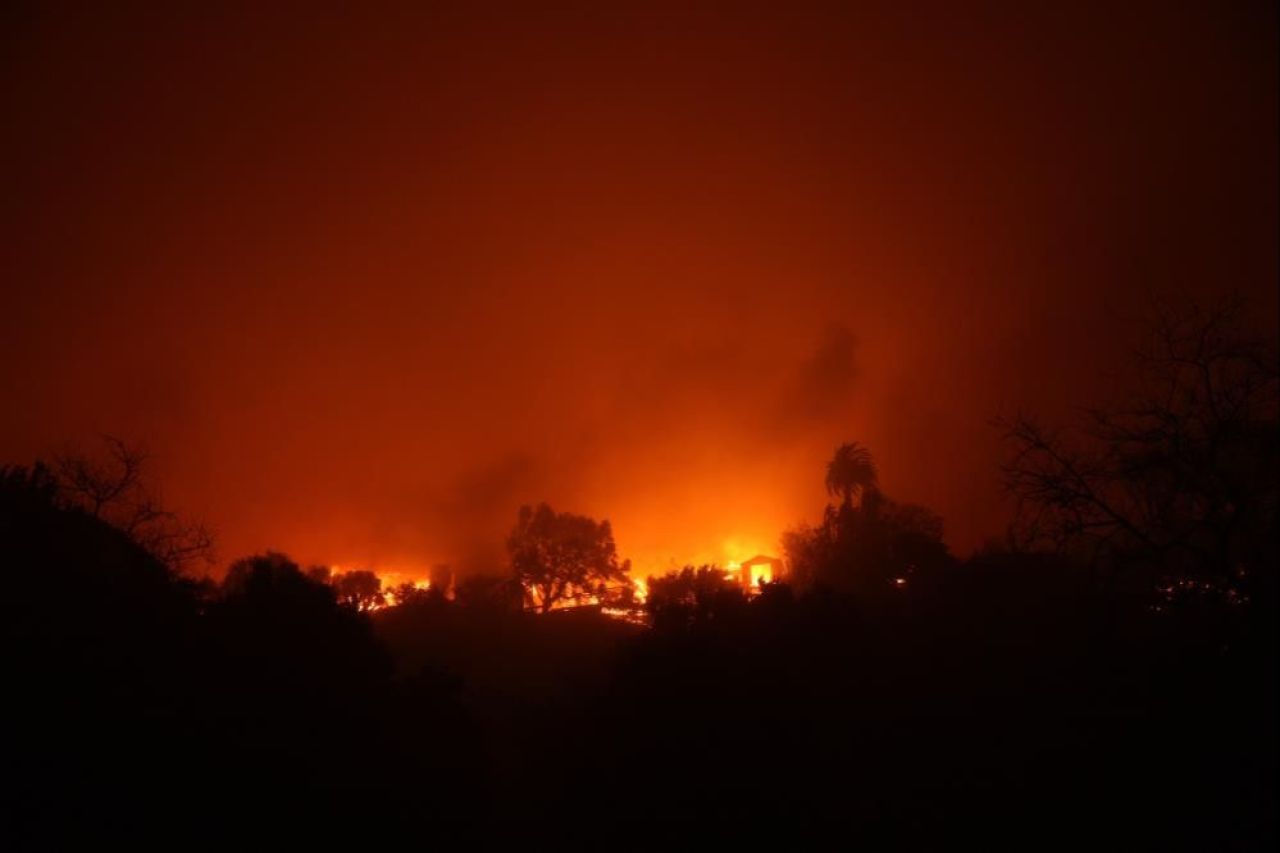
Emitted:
<point x="851" y="472"/>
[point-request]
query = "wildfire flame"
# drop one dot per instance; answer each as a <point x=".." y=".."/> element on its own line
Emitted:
<point x="391" y="582"/>
<point x="758" y="573"/>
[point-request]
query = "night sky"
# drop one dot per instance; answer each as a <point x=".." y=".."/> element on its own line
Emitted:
<point x="364" y="281"/>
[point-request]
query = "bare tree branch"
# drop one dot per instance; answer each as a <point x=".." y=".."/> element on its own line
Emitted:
<point x="114" y="489"/>
<point x="1183" y="479"/>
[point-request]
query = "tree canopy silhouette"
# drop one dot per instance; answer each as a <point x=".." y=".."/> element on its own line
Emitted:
<point x="851" y="473"/>
<point x="560" y="557"/>
<point x="692" y="595"/>
<point x="359" y="588"/>
<point x="867" y="546"/>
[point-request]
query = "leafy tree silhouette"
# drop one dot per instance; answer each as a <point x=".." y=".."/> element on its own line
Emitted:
<point x="287" y="628"/>
<point x="871" y="546"/>
<point x="692" y="596"/>
<point x="360" y="589"/>
<point x="851" y="473"/>
<point x="408" y="594"/>
<point x="558" y="557"/>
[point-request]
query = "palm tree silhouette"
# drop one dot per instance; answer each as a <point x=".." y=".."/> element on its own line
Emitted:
<point x="851" y="472"/>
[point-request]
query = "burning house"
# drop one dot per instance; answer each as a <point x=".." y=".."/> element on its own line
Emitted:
<point x="758" y="570"/>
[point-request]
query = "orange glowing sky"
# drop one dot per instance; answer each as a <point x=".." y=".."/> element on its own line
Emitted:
<point x="365" y="282"/>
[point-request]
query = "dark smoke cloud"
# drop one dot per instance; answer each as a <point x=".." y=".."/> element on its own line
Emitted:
<point x="822" y="389"/>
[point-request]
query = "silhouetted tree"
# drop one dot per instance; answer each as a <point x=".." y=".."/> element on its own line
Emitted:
<point x="270" y="574"/>
<point x="360" y="589"/>
<point x="409" y="594"/>
<point x="320" y="574"/>
<point x="113" y="487"/>
<point x="693" y="595"/>
<point x="562" y="557"/>
<point x="910" y="538"/>
<point x="876" y="544"/>
<point x="1181" y="483"/>
<point x="808" y="551"/>
<point x="286" y="630"/>
<point x="851" y="473"/>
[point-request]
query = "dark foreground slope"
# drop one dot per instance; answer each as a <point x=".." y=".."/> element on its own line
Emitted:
<point x="1003" y="699"/>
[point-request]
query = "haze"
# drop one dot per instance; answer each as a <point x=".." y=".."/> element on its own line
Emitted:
<point x="365" y="283"/>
